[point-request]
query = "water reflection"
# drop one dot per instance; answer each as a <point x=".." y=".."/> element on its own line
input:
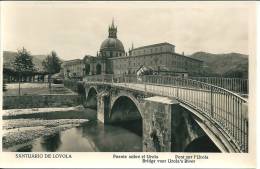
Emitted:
<point x="92" y="136"/>
<point x="109" y="138"/>
<point x="27" y="148"/>
<point x="135" y="126"/>
<point x="51" y="143"/>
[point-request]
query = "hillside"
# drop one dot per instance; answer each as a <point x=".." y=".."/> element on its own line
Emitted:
<point x="227" y="65"/>
<point x="9" y="57"/>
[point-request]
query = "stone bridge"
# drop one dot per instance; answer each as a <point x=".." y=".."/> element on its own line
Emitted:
<point x="166" y="120"/>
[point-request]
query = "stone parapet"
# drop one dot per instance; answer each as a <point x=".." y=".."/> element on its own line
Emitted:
<point x="40" y="101"/>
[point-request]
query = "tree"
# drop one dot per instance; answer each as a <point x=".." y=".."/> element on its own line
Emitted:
<point x="23" y="64"/>
<point x="52" y="65"/>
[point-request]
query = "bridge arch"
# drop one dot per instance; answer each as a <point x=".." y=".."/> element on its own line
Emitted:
<point x="129" y="96"/>
<point x="91" y="98"/>
<point x="201" y="144"/>
<point x="217" y="139"/>
<point x="126" y="113"/>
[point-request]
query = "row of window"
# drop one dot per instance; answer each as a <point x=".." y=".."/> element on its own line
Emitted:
<point x="110" y="54"/>
<point x="150" y="63"/>
<point x="76" y="69"/>
<point x="140" y="58"/>
<point x="151" y="50"/>
<point x="178" y="65"/>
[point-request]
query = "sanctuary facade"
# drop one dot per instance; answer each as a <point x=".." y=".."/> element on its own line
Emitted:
<point x="113" y="59"/>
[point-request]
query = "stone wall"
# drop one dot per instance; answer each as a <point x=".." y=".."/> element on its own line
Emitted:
<point x="40" y="101"/>
<point x="103" y="107"/>
<point x="157" y="124"/>
<point x="71" y="84"/>
<point x="167" y="127"/>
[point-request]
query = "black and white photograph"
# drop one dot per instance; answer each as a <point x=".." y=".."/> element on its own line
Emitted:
<point x="127" y="77"/>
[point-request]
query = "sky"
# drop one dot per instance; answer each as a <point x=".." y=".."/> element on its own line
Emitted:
<point x="74" y="29"/>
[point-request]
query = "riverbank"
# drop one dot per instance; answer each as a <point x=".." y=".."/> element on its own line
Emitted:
<point x="21" y="131"/>
<point x="77" y="112"/>
<point x="35" y="89"/>
<point x="38" y="95"/>
<point x="21" y="126"/>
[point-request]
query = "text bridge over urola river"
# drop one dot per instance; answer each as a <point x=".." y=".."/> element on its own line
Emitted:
<point x="227" y="110"/>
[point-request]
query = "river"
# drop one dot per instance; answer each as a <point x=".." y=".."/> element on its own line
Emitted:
<point x="91" y="136"/>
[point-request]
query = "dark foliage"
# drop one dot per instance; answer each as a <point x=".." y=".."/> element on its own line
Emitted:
<point x="52" y="63"/>
<point x="23" y="62"/>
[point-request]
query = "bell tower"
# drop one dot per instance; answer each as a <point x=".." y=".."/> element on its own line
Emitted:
<point x="112" y="30"/>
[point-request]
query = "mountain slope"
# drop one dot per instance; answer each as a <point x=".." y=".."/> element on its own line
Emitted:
<point x="227" y="65"/>
<point x="9" y="57"/>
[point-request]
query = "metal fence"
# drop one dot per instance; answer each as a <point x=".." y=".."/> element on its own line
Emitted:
<point x="228" y="110"/>
<point x="237" y="85"/>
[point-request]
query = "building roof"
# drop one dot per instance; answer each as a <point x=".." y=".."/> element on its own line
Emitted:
<point x="73" y="60"/>
<point x="69" y="62"/>
<point x="188" y="57"/>
<point x="112" y="44"/>
<point x="88" y="57"/>
<point x="153" y="45"/>
<point x="176" y="54"/>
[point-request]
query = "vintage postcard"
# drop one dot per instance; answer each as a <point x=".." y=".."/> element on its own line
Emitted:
<point x="128" y="84"/>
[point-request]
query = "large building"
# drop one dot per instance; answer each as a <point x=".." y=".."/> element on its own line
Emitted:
<point x="113" y="59"/>
<point x="160" y="57"/>
<point x="73" y="69"/>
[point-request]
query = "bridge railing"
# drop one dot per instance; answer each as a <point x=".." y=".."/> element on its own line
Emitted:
<point x="237" y="85"/>
<point x="227" y="109"/>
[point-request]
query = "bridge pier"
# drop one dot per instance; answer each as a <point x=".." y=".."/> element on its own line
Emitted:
<point x="103" y="106"/>
<point x="157" y="124"/>
<point x="168" y="127"/>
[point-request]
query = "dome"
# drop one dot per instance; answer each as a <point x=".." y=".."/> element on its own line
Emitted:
<point x="112" y="44"/>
